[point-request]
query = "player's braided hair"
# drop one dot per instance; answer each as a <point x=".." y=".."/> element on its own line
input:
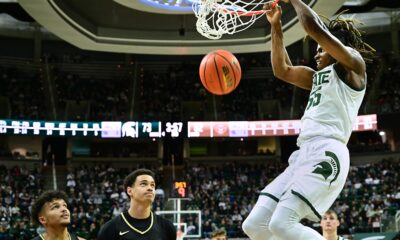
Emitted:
<point x="344" y="29"/>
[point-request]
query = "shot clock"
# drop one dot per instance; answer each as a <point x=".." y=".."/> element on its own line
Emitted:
<point x="180" y="189"/>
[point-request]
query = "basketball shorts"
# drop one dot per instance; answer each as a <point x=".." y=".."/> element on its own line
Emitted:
<point x="316" y="174"/>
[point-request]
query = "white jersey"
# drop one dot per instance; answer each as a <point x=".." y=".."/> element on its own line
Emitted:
<point x="332" y="108"/>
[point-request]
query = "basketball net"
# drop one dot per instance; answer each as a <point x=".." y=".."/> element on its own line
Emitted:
<point x="218" y="17"/>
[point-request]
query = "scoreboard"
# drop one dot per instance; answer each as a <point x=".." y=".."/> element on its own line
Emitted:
<point x="137" y="129"/>
<point x="131" y="129"/>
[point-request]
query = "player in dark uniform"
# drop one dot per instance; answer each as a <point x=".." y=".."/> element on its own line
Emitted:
<point x="51" y="211"/>
<point x="138" y="222"/>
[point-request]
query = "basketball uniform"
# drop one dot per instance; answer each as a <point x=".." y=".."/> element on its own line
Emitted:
<point x="318" y="170"/>
<point x="71" y="237"/>
<point x="125" y="227"/>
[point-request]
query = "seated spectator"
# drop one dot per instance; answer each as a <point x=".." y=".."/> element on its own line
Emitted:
<point x="219" y="234"/>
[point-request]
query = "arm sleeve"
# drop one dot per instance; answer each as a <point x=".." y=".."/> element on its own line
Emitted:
<point x="108" y="231"/>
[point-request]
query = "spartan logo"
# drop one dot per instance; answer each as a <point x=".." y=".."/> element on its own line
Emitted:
<point x="328" y="168"/>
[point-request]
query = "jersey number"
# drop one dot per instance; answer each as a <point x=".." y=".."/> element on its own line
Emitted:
<point x="315" y="98"/>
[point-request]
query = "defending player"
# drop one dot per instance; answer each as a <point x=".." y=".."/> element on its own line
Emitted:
<point x="317" y="171"/>
<point x="329" y="224"/>
<point x="139" y="222"/>
<point x="51" y="211"/>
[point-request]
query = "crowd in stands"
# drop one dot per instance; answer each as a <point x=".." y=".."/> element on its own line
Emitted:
<point x="225" y="193"/>
<point x="24" y="89"/>
<point x="123" y="149"/>
<point x="370" y="141"/>
<point x="371" y="196"/>
<point x="389" y="94"/>
<point x="163" y="94"/>
<point x="107" y="98"/>
<point x="18" y="189"/>
<point x="159" y="94"/>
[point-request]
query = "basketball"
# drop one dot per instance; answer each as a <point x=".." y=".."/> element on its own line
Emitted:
<point x="220" y="72"/>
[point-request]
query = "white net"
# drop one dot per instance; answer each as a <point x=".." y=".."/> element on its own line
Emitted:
<point x="218" y="17"/>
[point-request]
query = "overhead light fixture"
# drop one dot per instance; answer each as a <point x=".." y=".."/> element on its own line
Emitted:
<point x="355" y="3"/>
<point x="160" y="6"/>
<point x="174" y="5"/>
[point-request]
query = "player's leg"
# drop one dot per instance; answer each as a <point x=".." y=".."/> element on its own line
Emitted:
<point x="317" y="182"/>
<point x="256" y="225"/>
<point x="285" y="222"/>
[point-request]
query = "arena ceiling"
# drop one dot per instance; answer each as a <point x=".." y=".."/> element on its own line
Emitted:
<point x="134" y="26"/>
<point x="164" y="26"/>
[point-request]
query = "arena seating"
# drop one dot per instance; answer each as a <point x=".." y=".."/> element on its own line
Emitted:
<point x="225" y="193"/>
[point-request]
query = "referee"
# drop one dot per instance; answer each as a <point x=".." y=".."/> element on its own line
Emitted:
<point x="138" y="222"/>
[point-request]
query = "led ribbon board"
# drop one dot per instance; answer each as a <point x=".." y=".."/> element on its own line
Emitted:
<point x="132" y="129"/>
<point x="264" y="128"/>
<point x="136" y="129"/>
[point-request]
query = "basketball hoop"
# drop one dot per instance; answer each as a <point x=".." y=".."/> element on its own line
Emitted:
<point x="218" y="17"/>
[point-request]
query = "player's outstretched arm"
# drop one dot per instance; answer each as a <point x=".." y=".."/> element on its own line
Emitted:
<point x="315" y="28"/>
<point x="282" y="67"/>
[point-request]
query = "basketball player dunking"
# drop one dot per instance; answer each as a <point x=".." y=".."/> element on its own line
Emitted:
<point x="138" y="222"/>
<point x="317" y="171"/>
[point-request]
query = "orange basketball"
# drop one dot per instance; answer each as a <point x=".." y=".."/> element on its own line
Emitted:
<point x="220" y="72"/>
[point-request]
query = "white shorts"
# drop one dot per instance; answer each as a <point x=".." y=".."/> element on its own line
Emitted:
<point x="316" y="174"/>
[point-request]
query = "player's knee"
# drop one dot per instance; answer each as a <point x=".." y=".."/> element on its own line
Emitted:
<point x="253" y="229"/>
<point x="282" y="224"/>
<point x="276" y="227"/>
<point x="249" y="227"/>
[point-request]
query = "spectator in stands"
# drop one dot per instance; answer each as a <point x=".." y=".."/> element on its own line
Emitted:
<point x="219" y="234"/>
<point x="4" y="227"/>
<point x="51" y="211"/>
<point x="206" y="184"/>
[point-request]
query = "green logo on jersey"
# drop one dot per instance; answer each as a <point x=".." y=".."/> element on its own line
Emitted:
<point x="328" y="168"/>
<point x="321" y="77"/>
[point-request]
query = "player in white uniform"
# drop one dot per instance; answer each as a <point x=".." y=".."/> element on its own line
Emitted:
<point x="317" y="171"/>
<point x="329" y="224"/>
